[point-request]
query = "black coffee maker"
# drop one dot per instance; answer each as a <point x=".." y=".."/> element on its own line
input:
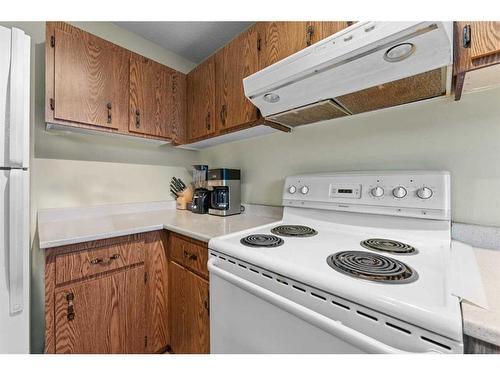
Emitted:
<point x="201" y="196"/>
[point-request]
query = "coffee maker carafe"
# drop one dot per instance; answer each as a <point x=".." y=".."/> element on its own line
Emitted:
<point x="225" y="185"/>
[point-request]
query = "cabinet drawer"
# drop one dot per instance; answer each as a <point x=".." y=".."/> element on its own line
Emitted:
<point x="73" y="266"/>
<point x="189" y="254"/>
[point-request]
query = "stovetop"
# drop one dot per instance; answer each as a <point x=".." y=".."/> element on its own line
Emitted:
<point x="423" y="300"/>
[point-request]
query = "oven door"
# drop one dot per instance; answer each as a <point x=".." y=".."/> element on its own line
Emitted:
<point x="247" y="318"/>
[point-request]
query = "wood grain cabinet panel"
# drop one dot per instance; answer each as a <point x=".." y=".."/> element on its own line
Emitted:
<point x="90" y="80"/>
<point x="201" y="100"/>
<point x="480" y="50"/>
<point x="121" y="308"/>
<point x="74" y="266"/>
<point x="178" y="109"/>
<point x="189" y="253"/>
<point x="237" y="60"/>
<point x="150" y="97"/>
<point x="189" y="304"/>
<point x="281" y="39"/>
<point x="105" y="315"/>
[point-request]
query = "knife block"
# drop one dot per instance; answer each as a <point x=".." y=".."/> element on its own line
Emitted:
<point x="184" y="198"/>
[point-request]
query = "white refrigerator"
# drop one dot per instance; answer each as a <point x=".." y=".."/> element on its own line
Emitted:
<point x="14" y="190"/>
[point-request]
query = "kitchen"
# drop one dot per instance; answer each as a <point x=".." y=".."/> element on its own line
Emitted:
<point x="119" y="117"/>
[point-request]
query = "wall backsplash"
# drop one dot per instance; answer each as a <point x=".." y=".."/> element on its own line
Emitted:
<point x="462" y="137"/>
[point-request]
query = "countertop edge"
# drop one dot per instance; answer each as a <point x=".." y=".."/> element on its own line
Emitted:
<point x="100" y="236"/>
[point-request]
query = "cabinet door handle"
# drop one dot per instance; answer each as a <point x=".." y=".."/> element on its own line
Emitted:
<point x="190" y="256"/>
<point x="207" y="306"/>
<point x="207" y="121"/>
<point x="466" y="36"/>
<point x="223" y="115"/>
<point x="109" y="106"/>
<point x="70" y="311"/>
<point x="309" y="35"/>
<point x="137" y="118"/>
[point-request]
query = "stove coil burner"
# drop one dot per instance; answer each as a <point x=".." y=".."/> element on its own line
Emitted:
<point x="372" y="267"/>
<point x="388" y="246"/>
<point x="262" y="240"/>
<point x="294" y="231"/>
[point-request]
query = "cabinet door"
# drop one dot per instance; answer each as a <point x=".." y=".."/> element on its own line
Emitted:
<point x="485" y="38"/>
<point x="178" y="112"/>
<point x="90" y="80"/>
<point x="189" y="305"/>
<point x="237" y="60"/>
<point x="321" y="30"/>
<point x="108" y="315"/>
<point x="150" y="97"/>
<point x="281" y="39"/>
<point x="157" y="296"/>
<point x="201" y="100"/>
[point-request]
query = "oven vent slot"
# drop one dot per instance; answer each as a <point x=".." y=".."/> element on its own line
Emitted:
<point x="398" y="328"/>
<point x="266" y="275"/>
<point x="299" y="288"/>
<point x="366" y="315"/>
<point x="435" y="343"/>
<point x="340" y="305"/>
<point x="253" y="270"/>
<point x="318" y="296"/>
<point x="282" y="281"/>
<point x="242" y="265"/>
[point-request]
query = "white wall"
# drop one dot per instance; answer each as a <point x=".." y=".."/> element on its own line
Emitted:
<point x="462" y="137"/>
<point x="82" y="170"/>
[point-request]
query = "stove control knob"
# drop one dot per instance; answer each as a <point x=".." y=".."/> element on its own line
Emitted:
<point x="424" y="193"/>
<point x="377" y="192"/>
<point x="399" y="192"/>
<point x="304" y="190"/>
<point x="292" y="189"/>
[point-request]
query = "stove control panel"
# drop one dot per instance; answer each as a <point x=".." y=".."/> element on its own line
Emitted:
<point x="423" y="194"/>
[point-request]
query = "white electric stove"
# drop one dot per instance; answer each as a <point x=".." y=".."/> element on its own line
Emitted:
<point x="359" y="263"/>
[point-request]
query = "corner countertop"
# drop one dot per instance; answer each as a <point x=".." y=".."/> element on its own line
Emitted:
<point x="484" y="324"/>
<point x="59" y="227"/>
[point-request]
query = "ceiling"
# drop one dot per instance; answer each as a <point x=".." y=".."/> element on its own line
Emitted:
<point x="194" y="41"/>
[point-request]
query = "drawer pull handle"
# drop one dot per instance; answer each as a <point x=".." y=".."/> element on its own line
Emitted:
<point x="190" y="256"/>
<point x="103" y="261"/>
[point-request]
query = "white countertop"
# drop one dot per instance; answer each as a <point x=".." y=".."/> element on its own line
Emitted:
<point x="484" y="324"/>
<point x="58" y="227"/>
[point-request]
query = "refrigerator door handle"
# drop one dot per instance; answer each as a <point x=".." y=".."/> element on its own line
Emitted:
<point x="18" y="106"/>
<point x="17" y="227"/>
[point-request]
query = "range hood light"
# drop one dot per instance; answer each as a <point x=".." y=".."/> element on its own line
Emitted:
<point x="272" y="98"/>
<point x="399" y="52"/>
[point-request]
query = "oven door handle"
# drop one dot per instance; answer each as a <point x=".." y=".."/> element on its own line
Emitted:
<point x="335" y="328"/>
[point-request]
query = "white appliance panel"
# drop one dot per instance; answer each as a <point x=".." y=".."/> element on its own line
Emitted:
<point x="14" y="261"/>
<point x="14" y="98"/>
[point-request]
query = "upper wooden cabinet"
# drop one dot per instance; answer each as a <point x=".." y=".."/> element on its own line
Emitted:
<point x="237" y="60"/>
<point x="477" y="46"/>
<point x="150" y="97"/>
<point x="90" y="79"/>
<point x="201" y="100"/>
<point x="278" y="40"/>
<point x="94" y="84"/>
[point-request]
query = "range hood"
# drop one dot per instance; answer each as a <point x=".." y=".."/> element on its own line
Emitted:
<point x="367" y="66"/>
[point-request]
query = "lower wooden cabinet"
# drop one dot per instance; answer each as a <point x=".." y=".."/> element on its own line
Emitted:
<point x="103" y="315"/>
<point x="188" y="295"/>
<point x="107" y="296"/>
<point x="189" y="312"/>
